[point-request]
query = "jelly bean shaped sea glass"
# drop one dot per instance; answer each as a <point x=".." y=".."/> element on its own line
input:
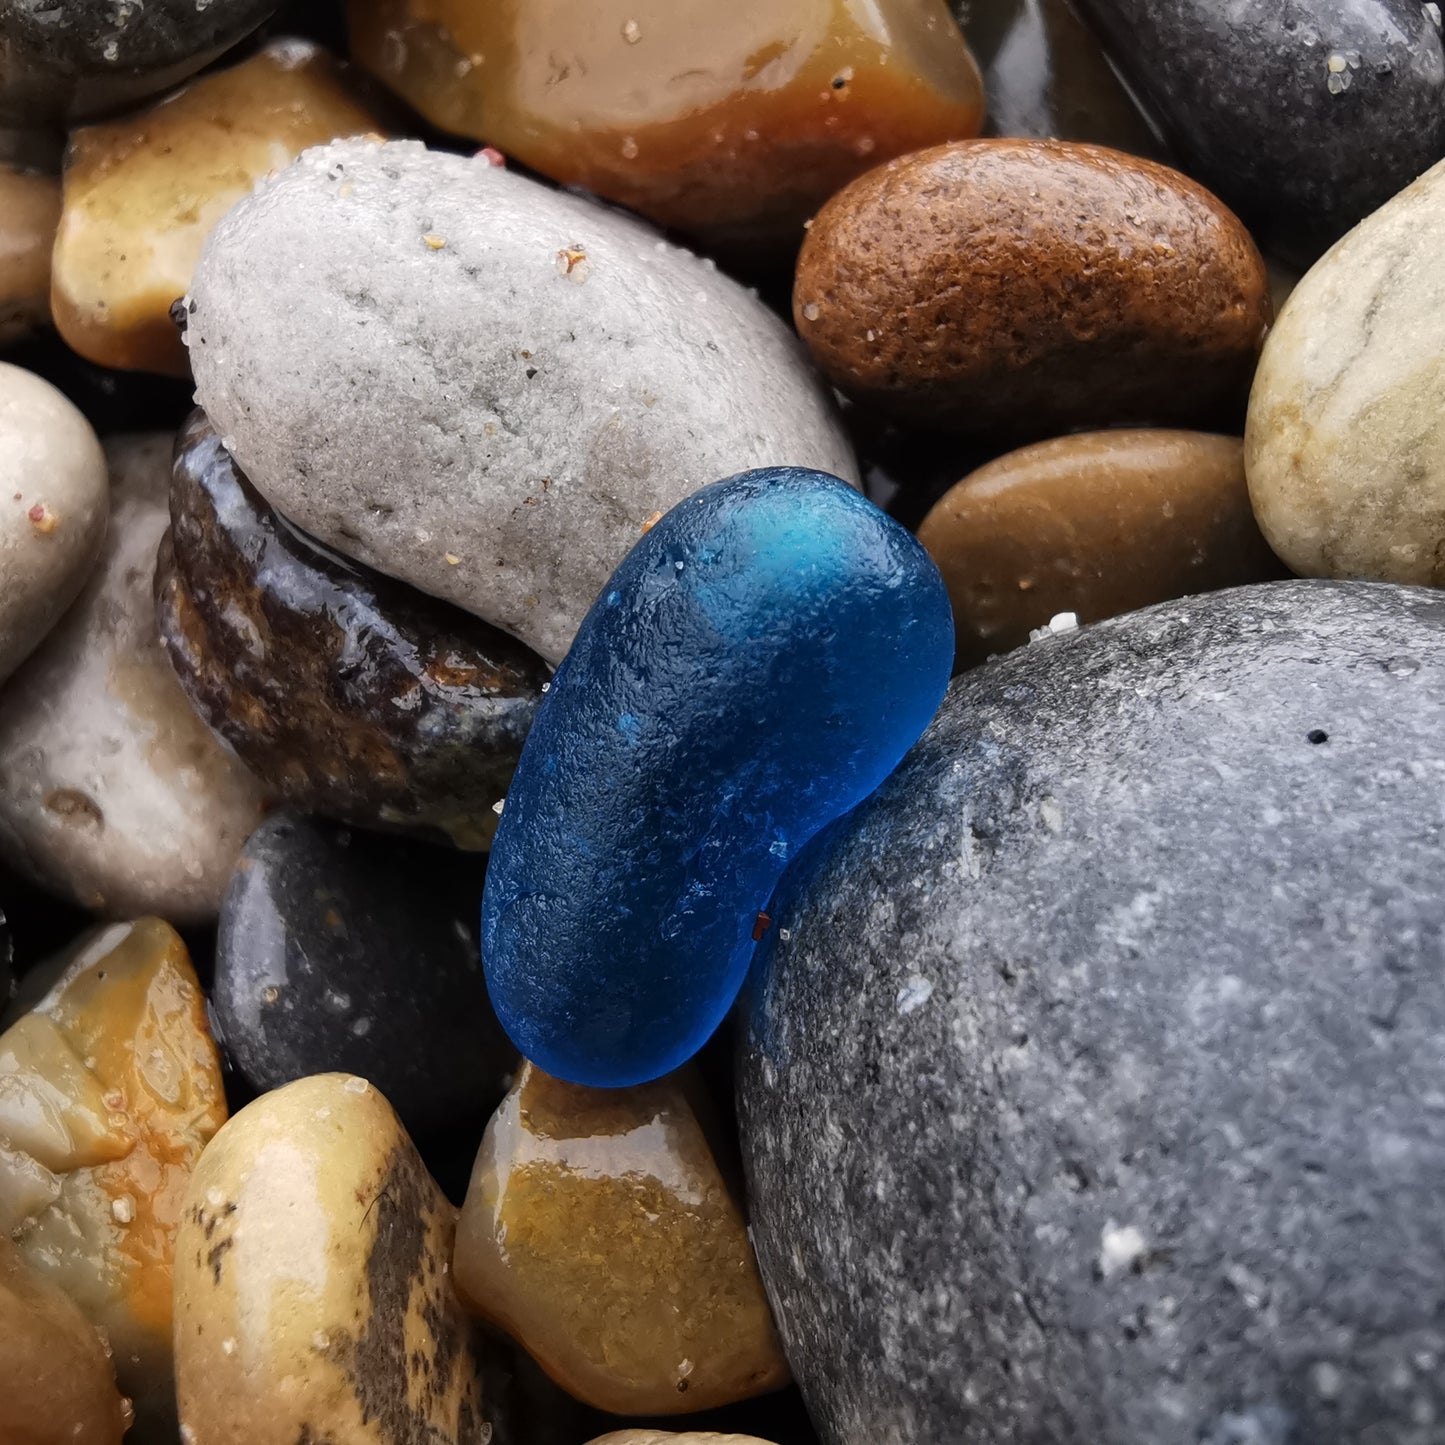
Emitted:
<point x="759" y="662"/>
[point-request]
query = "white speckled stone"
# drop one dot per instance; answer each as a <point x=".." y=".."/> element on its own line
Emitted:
<point x="480" y="385"/>
<point x="112" y="791"/>
<point x="1345" y="442"/>
<point x="53" y="505"/>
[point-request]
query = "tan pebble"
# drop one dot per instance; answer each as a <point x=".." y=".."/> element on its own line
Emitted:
<point x="29" y="214"/>
<point x="1096" y="524"/>
<point x="323" y="1271"/>
<point x="599" y="1231"/>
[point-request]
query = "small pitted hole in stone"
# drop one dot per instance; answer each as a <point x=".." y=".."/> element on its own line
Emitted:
<point x="179" y="314"/>
<point x="71" y="805"/>
<point x="1317" y="736"/>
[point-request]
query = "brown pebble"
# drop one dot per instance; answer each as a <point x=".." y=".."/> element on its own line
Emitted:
<point x="1096" y="524"/>
<point x="1019" y="288"/>
<point x="29" y="213"/>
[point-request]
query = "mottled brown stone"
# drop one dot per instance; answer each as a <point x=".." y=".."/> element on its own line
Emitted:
<point x="1096" y="524"/>
<point x="732" y="122"/>
<point x="598" y="1230"/>
<point x="314" y="1301"/>
<point x="347" y="693"/>
<point x="29" y="213"/>
<point x="142" y="193"/>
<point x="110" y="1087"/>
<point x="1021" y="288"/>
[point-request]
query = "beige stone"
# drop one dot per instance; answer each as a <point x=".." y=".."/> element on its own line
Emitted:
<point x="599" y="1231"/>
<point x="29" y="212"/>
<point x="313" y="1296"/>
<point x="54" y="500"/>
<point x="110" y="1087"/>
<point x="112" y="791"/>
<point x="142" y="193"/>
<point x="1345" y="441"/>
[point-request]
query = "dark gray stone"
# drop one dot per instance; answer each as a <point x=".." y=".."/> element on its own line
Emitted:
<point x="81" y="58"/>
<point x="1304" y="115"/>
<point x="342" y="950"/>
<point x="1092" y="1080"/>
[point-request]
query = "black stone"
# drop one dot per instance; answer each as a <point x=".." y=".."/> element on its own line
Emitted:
<point x="82" y="58"/>
<point x="1092" y="1082"/>
<point x="1304" y="115"/>
<point x="343" y="950"/>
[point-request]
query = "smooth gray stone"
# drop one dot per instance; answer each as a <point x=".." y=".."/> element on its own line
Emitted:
<point x="1304" y="115"/>
<point x="1092" y="1078"/>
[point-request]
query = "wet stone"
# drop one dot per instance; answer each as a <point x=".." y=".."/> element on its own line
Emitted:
<point x="29" y="213"/>
<point x="599" y="1231"/>
<point x="1304" y="116"/>
<point x="1095" y="524"/>
<point x="1126" y="994"/>
<point x="112" y="791"/>
<point x="110" y="1087"/>
<point x="142" y="194"/>
<point x="314" y="1298"/>
<point x="341" y="950"/>
<point x="756" y="666"/>
<point x="577" y="375"/>
<point x="734" y="129"/>
<point x="1095" y="289"/>
<point x="59" y="1382"/>
<point x="346" y="693"/>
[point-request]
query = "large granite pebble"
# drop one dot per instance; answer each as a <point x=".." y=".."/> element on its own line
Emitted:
<point x="1345" y="439"/>
<point x="314" y="1303"/>
<point x="29" y="213"/>
<point x="1091" y="1087"/>
<point x="479" y="385"/>
<point x="53" y="508"/>
<point x="731" y="122"/>
<point x="1022" y="288"/>
<point x="346" y="693"/>
<point x="339" y="950"/>
<point x="85" y="57"/>
<point x="112" y="791"/>
<point x="1305" y="115"/>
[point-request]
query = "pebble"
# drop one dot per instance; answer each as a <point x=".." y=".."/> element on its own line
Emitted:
<point x="265" y="630"/>
<point x="314" y="1301"/>
<point x="1095" y="524"/>
<point x="29" y="213"/>
<point x="1304" y="115"/>
<point x="1046" y="77"/>
<point x="110" y="1087"/>
<point x="112" y="791"/>
<point x="1091" y="1084"/>
<point x="59" y="1382"/>
<point x="53" y="505"/>
<point x="737" y="138"/>
<point x="142" y="193"/>
<point x="481" y="386"/>
<point x="1345" y="441"/>
<point x="340" y="950"/>
<point x="599" y="1231"/>
<point x="757" y="665"/>
<point x="62" y="63"/>
<point x="1095" y="289"/>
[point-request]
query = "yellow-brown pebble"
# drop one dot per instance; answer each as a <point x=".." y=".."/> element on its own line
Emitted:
<point x="29" y="213"/>
<point x="110" y="1086"/>
<point x="141" y="194"/>
<point x="1096" y="524"/>
<point x="599" y="1231"/>
<point x="314" y="1300"/>
<point x="59" y="1382"/>
<point x="731" y="121"/>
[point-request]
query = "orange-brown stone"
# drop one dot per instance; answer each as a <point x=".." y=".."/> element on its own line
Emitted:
<point x="1021" y="288"/>
<point x="598" y="1230"/>
<point x="732" y="122"/>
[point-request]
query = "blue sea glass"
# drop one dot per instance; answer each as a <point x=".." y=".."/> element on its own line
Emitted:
<point x="758" y="663"/>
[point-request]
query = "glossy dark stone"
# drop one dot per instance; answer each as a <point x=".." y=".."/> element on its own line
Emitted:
<point x="1304" y="115"/>
<point x="343" y="950"/>
<point x="348" y="694"/>
<point x="1091" y="1085"/>
<point x="79" y="59"/>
